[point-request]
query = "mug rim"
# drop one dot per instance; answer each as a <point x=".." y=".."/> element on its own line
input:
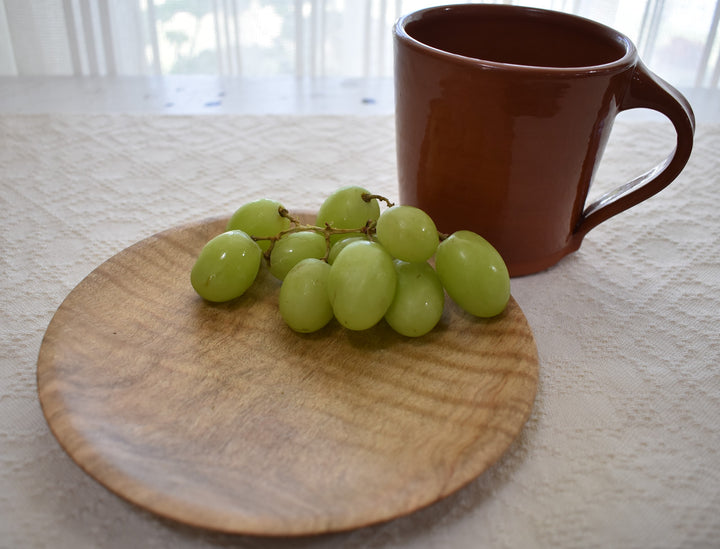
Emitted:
<point x="400" y="33"/>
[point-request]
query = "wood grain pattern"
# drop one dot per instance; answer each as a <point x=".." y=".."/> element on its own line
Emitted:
<point x="219" y="416"/>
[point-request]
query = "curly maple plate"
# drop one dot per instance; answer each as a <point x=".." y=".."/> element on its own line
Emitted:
<point x="221" y="417"/>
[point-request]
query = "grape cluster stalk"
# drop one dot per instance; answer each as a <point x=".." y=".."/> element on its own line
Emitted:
<point x="356" y="264"/>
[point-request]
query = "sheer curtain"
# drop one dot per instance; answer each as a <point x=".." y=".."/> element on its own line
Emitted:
<point x="678" y="39"/>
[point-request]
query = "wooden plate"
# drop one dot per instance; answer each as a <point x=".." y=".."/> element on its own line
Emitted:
<point x="221" y="417"/>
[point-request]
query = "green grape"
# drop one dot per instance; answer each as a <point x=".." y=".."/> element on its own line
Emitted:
<point x="259" y="218"/>
<point x="340" y="246"/>
<point x="419" y="299"/>
<point x="303" y="301"/>
<point x="226" y="266"/>
<point x="473" y="273"/>
<point x="361" y="284"/>
<point x="407" y="233"/>
<point x="293" y="248"/>
<point x="346" y="209"/>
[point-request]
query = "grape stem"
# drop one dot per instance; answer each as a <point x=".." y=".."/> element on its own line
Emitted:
<point x="327" y="231"/>
<point x="367" y="197"/>
<point x="285" y="213"/>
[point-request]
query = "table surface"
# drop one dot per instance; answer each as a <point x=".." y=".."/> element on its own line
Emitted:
<point x="622" y="448"/>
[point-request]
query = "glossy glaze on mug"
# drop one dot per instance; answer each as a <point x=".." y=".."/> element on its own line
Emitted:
<point x="502" y="116"/>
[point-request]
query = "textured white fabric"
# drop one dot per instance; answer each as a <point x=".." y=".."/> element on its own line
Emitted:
<point x="623" y="445"/>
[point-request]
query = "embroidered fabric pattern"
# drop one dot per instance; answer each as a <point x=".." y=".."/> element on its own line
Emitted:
<point x="622" y="446"/>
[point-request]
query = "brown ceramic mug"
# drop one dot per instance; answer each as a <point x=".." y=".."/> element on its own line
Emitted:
<point x="502" y="115"/>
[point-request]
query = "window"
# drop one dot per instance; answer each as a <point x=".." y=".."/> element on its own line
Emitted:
<point x="678" y="39"/>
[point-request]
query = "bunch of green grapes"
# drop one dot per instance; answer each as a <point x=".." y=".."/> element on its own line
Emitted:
<point x="356" y="264"/>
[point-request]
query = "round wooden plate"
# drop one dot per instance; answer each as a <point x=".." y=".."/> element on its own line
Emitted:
<point x="221" y="417"/>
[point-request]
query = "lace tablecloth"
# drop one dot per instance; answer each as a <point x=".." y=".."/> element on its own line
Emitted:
<point x="623" y="445"/>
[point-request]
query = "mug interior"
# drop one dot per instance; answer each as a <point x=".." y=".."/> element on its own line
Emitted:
<point x="516" y="36"/>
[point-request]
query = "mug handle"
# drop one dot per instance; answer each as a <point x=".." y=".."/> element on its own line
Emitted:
<point x="646" y="90"/>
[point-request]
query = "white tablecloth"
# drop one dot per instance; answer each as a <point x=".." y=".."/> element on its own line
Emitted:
<point x="623" y="445"/>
